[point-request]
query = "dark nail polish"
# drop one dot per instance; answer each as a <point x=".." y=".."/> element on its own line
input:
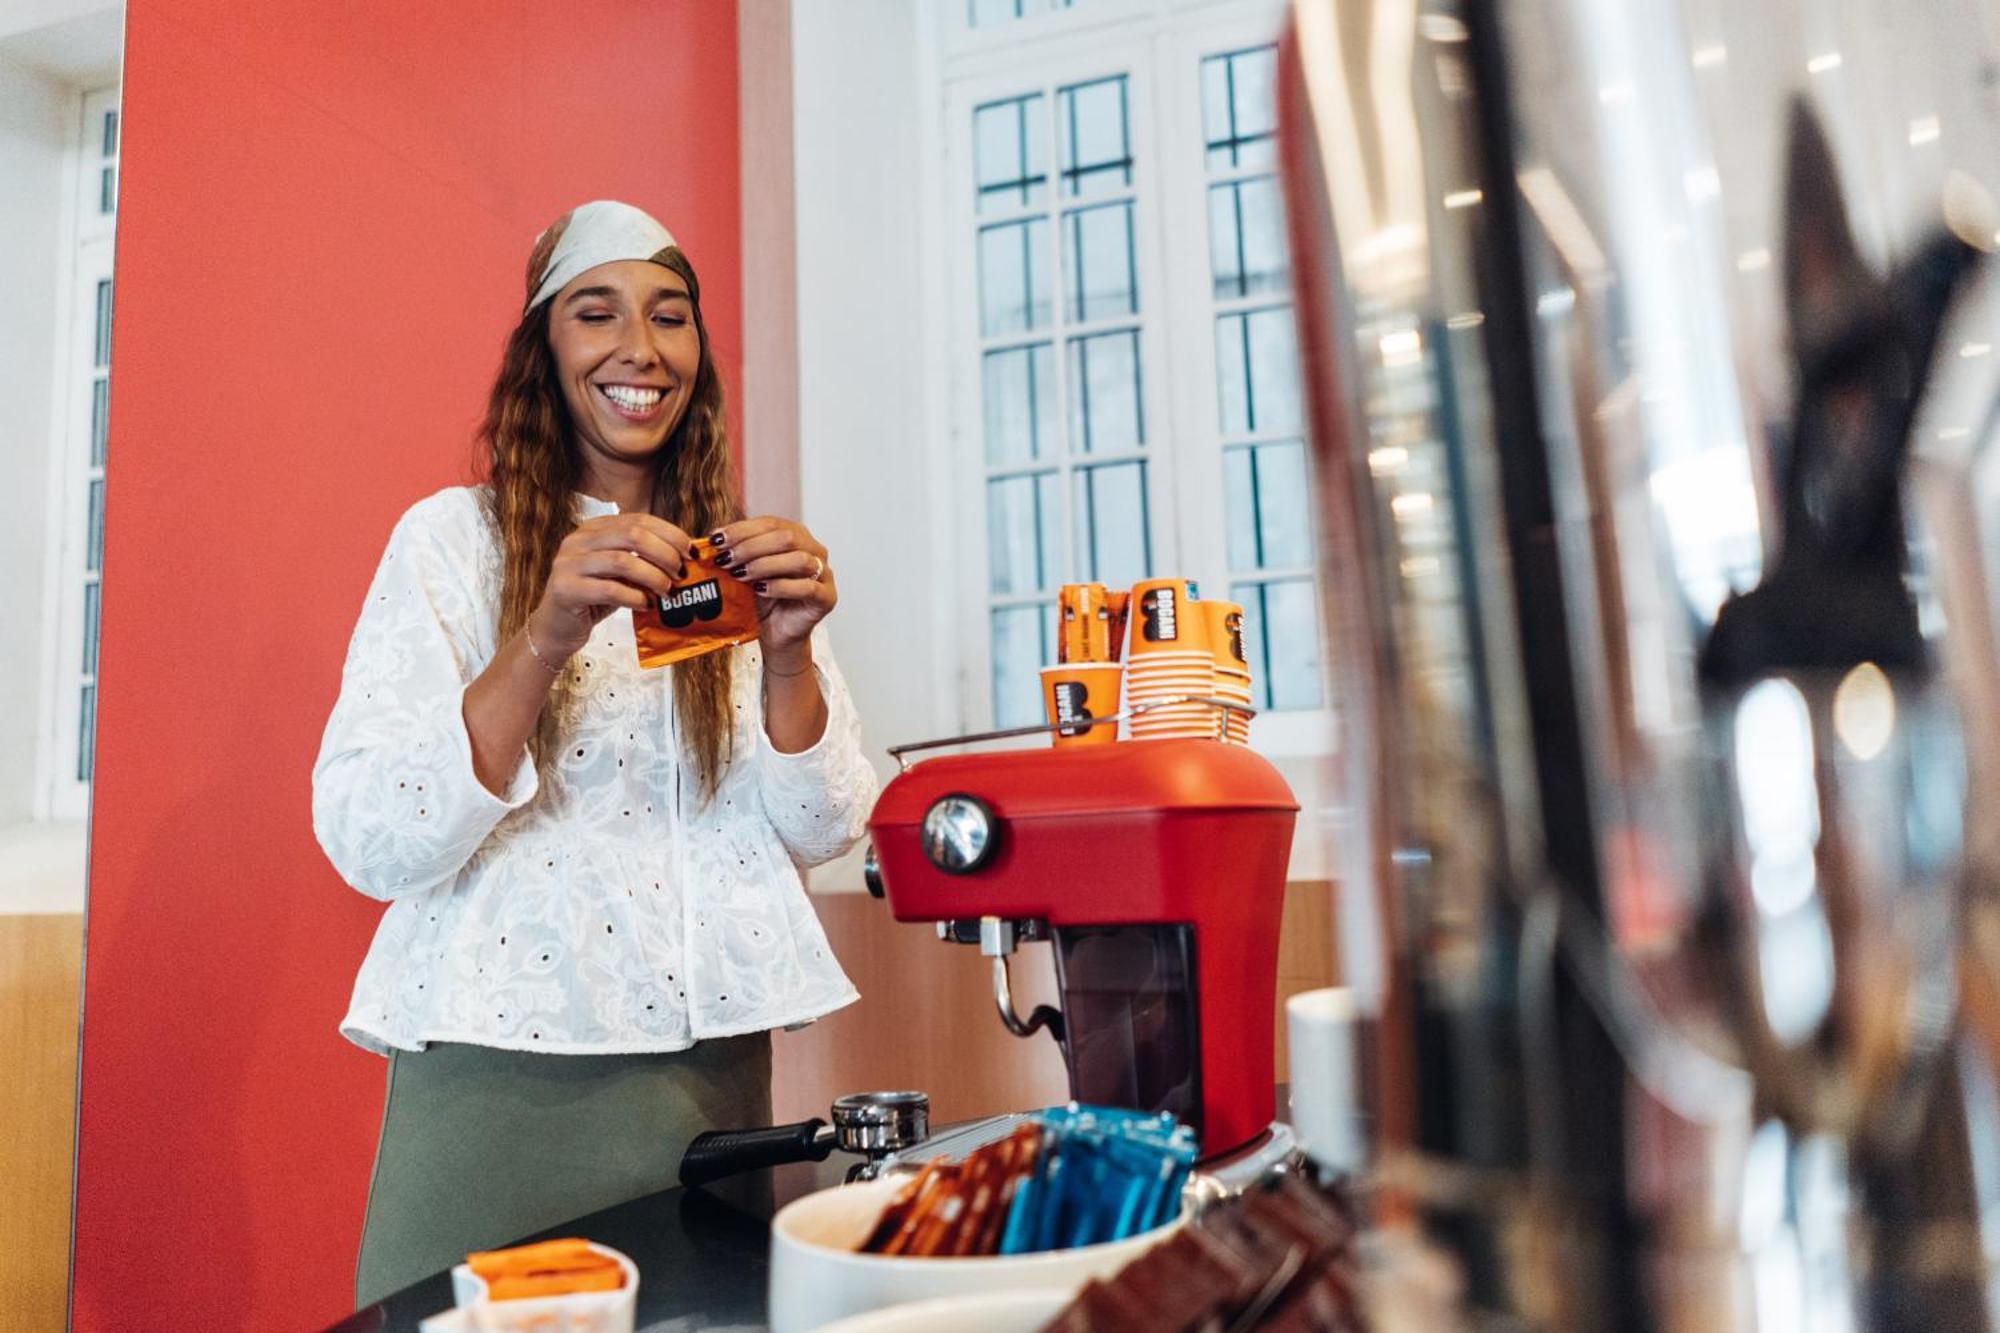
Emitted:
<point x="719" y="539"/>
<point x="740" y="570"/>
<point x="761" y="585"/>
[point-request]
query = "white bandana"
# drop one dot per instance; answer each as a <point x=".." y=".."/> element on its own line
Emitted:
<point x="603" y="231"/>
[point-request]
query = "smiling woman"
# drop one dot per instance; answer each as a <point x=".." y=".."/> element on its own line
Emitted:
<point x="595" y="911"/>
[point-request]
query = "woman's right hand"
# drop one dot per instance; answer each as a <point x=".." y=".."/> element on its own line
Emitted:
<point x="605" y="563"/>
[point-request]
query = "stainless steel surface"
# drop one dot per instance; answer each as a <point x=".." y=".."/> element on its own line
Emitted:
<point x="1225" y="707"/>
<point x="959" y="834"/>
<point x="1651" y="391"/>
<point x="1276" y="1152"/>
<point x="960" y="1141"/>
<point x="877" y="1124"/>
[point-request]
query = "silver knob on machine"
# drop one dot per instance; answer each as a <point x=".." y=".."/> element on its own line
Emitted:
<point x="960" y="833"/>
<point x="879" y="1123"/>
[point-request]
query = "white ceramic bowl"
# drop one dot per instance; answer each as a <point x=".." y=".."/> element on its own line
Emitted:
<point x="982" y="1312"/>
<point x="817" y="1276"/>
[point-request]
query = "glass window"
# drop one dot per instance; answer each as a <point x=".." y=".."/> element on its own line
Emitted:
<point x="1010" y="141"/>
<point x="984" y="13"/>
<point x="1246" y="235"/>
<point x="1020" y="650"/>
<point x="1096" y="143"/>
<point x="1239" y="108"/>
<point x="100" y="419"/>
<point x="1267" y="492"/>
<point x="86" y="733"/>
<point x="1104" y="395"/>
<point x="1112" y="541"/>
<point x="94" y="541"/>
<point x="1020" y="397"/>
<point x="1065" y="496"/>
<point x="1099" y="280"/>
<point x="1014" y="276"/>
<point x="1023" y="532"/>
<point x="1281" y="640"/>
<point x="1257" y="371"/>
<point x="90" y="618"/>
<point x="111" y="133"/>
<point x="103" y="336"/>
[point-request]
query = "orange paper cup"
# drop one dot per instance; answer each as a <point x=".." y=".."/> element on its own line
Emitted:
<point x="1222" y="623"/>
<point x="1076" y="694"/>
<point x="1162" y="619"/>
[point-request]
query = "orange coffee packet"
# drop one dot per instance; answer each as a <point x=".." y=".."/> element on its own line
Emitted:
<point x="707" y="610"/>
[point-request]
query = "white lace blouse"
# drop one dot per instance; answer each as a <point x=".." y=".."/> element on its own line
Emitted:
<point x="599" y="906"/>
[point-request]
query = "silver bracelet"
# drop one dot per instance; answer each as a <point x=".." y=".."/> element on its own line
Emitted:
<point x="553" y="669"/>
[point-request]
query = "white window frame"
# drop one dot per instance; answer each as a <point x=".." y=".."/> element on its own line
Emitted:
<point x="87" y="259"/>
<point x="1159" y="46"/>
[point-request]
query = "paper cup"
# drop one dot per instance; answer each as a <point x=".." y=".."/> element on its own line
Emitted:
<point x="1326" y="1112"/>
<point x="1162" y="619"/>
<point x="1222" y="626"/>
<point x="1076" y="694"/>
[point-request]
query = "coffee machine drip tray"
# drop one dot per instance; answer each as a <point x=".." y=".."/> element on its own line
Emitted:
<point x="1132" y="1017"/>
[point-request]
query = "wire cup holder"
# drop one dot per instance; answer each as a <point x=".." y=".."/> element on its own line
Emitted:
<point x="1223" y="710"/>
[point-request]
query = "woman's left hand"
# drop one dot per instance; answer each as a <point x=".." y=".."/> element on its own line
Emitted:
<point x="789" y="570"/>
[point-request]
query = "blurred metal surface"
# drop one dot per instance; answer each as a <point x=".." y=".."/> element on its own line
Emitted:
<point x="1651" y="373"/>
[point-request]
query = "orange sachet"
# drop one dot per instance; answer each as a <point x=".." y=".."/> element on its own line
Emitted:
<point x="544" y="1256"/>
<point x="709" y="609"/>
<point x="607" y="1278"/>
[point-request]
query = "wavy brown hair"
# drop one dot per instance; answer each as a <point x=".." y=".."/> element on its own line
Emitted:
<point x="533" y="468"/>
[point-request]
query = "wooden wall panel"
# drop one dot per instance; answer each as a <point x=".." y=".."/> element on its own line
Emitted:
<point x="39" y="961"/>
<point x="926" y="1021"/>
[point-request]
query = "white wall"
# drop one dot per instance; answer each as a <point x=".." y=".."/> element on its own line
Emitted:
<point x="37" y="115"/>
<point x="869" y="442"/>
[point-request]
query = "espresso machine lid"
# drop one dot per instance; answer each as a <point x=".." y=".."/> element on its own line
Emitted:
<point x="1134" y="777"/>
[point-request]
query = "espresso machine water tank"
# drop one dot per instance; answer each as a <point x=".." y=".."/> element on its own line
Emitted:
<point x="1157" y="869"/>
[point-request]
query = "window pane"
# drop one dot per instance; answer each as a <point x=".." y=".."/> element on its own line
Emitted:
<point x="100" y="419"/>
<point x="90" y="594"/>
<point x="1267" y="493"/>
<point x="1112" y="537"/>
<point x="1281" y="639"/>
<point x="107" y="190"/>
<point x="1257" y="371"/>
<point x="1239" y="108"/>
<point x="103" y="326"/>
<point x="1011" y="141"/>
<point x="94" y="554"/>
<point x="1246" y="235"/>
<point x="1023" y="539"/>
<point x="86" y="733"/>
<point x="1239" y="500"/>
<point x="1020" y="651"/>
<point x="111" y="133"/>
<point x="1098" y="276"/>
<point x="1105" y="415"/>
<point x="1096" y="147"/>
<point x="1020" y="403"/>
<point x="1005" y="11"/>
<point x="1014" y="276"/>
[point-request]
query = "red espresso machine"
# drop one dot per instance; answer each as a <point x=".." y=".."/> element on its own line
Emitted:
<point x="1155" y="869"/>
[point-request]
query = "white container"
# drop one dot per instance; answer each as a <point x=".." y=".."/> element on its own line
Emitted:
<point x="580" y="1312"/>
<point x="818" y="1277"/>
<point x="982" y="1312"/>
<point x="1319" y="1027"/>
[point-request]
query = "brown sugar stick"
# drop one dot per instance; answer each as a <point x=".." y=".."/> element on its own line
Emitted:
<point x="939" y="1178"/>
<point x="897" y="1215"/>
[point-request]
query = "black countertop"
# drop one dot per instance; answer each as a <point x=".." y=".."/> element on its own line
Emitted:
<point x="703" y="1254"/>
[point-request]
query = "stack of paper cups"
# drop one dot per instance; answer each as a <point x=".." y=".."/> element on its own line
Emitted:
<point x="1168" y="656"/>
<point x="1223" y="622"/>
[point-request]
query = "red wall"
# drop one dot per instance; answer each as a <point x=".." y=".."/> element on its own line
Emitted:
<point x="325" y="211"/>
